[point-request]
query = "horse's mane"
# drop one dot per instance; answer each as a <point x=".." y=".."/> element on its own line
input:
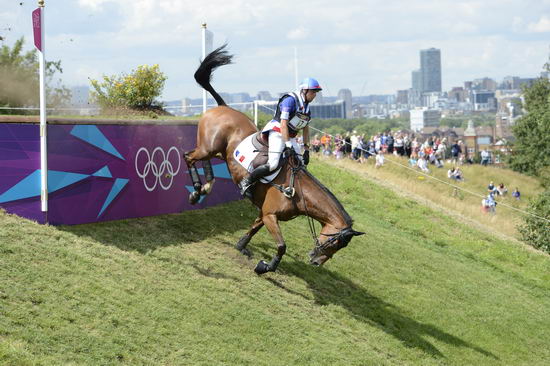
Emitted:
<point x="211" y="62"/>
<point x="347" y="217"/>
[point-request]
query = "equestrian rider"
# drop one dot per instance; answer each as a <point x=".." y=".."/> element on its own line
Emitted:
<point x="292" y="115"/>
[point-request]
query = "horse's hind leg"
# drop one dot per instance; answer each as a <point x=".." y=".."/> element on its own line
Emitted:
<point x="243" y="242"/>
<point x="194" y="174"/>
<point x="209" y="174"/>
<point x="272" y="225"/>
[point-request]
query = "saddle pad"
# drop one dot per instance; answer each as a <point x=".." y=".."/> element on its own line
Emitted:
<point x="246" y="152"/>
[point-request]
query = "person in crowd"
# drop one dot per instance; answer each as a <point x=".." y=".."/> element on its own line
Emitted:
<point x="379" y="159"/>
<point x="407" y="143"/>
<point x="516" y="194"/>
<point x="399" y="145"/>
<point x="489" y="203"/>
<point x="325" y="142"/>
<point x="491" y="187"/>
<point x="339" y="147"/>
<point x="455" y="173"/>
<point x="485" y="157"/>
<point x="390" y="142"/>
<point x="412" y="161"/>
<point x="501" y="190"/>
<point x="316" y="144"/>
<point x="347" y="144"/>
<point x="456" y="151"/>
<point x="422" y="163"/>
<point x="378" y="143"/>
<point x="355" y="146"/>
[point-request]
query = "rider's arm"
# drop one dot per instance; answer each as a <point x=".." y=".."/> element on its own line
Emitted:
<point x="306" y="137"/>
<point x="284" y="132"/>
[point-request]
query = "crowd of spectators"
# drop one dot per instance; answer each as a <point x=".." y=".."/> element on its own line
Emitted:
<point x="431" y="152"/>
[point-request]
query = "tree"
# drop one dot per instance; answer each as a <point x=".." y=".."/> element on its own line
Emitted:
<point x="534" y="230"/>
<point x="531" y="153"/>
<point x="19" y="78"/>
<point x="136" y="90"/>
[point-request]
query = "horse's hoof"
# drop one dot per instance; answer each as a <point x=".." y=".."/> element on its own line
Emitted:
<point x="247" y="252"/>
<point x="194" y="197"/>
<point x="261" y="268"/>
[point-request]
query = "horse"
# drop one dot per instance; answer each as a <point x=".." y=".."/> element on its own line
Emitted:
<point x="220" y="130"/>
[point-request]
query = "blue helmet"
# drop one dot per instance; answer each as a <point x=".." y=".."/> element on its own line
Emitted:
<point x="310" y="83"/>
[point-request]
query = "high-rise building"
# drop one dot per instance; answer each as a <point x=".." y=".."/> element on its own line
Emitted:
<point x="264" y="95"/>
<point x="430" y="68"/>
<point x="345" y="95"/>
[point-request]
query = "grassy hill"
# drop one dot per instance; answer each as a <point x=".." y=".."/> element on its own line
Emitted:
<point x="421" y="288"/>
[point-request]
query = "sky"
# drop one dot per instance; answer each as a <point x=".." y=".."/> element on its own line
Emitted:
<point x="368" y="46"/>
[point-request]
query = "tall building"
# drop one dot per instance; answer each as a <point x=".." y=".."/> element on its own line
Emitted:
<point x="345" y="95"/>
<point x="423" y="117"/>
<point x="264" y="95"/>
<point x="430" y="68"/>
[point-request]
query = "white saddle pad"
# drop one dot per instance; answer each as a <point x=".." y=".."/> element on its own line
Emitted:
<point x="245" y="153"/>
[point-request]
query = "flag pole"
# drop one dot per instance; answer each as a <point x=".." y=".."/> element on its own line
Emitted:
<point x="203" y="57"/>
<point x="40" y="44"/>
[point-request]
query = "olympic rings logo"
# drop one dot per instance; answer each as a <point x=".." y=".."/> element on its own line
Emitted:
<point x="158" y="171"/>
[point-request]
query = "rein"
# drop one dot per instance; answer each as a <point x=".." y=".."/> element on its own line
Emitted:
<point x="289" y="193"/>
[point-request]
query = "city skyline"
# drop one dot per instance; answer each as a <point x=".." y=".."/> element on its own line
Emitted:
<point x="369" y="47"/>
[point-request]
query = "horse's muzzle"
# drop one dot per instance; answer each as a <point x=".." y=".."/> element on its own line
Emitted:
<point x="318" y="260"/>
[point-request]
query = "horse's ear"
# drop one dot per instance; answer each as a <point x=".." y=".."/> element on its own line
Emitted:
<point x="357" y="233"/>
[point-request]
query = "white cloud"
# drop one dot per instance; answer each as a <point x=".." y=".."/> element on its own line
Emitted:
<point x="297" y="33"/>
<point x="542" y="26"/>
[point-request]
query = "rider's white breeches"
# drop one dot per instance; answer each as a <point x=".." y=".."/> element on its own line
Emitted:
<point x="276" y="146"/>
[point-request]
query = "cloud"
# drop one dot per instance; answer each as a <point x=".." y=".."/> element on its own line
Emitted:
<point x="297" y="33"/>
<point x="542" y="26"/>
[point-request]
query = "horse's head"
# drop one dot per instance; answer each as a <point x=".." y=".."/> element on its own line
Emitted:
<point x="329" y="243"/>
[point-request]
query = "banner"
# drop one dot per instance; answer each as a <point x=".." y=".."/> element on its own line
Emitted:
<point x="209" y="41"/>
<point x="37" y="28"/>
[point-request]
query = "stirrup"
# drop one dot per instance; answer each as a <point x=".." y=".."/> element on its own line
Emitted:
<point x="289" y="192"/>
<point x="246" y="188"/>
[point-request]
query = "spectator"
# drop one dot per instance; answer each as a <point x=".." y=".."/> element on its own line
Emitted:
<point x="422" y="164"/>
<point x="379" y="159"/>
<point x="489" y="203"/>
<point x="485" y="157"/>
<point x="412" y="161"/>
<point x="491" y="187"/>
<point x="399" y="145"/>
<point x="455" y="174"/>
<point x="456" y="151"/>
<point x="502" y="190"/>
<point x="355" y="146"/>
<point x="390" y="142"/>
<point x="347" y="144"/>
<point x="516" y="194"/>
<point x="316" y="144"/>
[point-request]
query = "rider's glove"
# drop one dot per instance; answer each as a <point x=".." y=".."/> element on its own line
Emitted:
<point x="305" y="157"/>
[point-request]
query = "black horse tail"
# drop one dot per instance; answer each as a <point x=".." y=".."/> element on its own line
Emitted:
<point x="212" y="61"/>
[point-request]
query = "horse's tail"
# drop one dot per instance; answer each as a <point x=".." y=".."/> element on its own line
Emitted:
<point x="212" y="61"/>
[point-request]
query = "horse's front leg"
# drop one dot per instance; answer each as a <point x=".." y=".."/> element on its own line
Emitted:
<point x="243" y="242"/>
<point x="272" y="225"/>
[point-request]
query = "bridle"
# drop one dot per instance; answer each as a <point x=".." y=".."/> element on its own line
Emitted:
<point x="340" y="237"/>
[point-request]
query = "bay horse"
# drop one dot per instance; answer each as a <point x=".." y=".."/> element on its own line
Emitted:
<point x="220" y="130"/>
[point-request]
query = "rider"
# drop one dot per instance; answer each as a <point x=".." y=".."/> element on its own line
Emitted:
<point x="291" y="116"/>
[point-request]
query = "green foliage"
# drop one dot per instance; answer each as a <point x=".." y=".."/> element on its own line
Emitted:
<point x="137" y="90"/>
<point x="531" y="153"/>
<point x="365" y="126"/>
<point x="535" y="231"/>
<point x="19" y="79"/>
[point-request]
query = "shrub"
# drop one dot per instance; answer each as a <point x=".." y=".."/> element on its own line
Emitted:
<point x="137" y="90"/>
<point x="535" y="231"/>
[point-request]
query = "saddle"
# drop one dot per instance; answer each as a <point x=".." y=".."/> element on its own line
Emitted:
<point x="253" y="152"/>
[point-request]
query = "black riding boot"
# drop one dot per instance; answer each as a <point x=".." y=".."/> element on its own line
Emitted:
<point x="252" y="178"/>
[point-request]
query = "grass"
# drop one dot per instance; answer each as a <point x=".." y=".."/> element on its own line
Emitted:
<point x="477" y="179"/>
<point x="419" y="289"/>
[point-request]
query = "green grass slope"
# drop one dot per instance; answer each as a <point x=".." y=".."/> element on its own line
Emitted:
<point x="418" y="289"/>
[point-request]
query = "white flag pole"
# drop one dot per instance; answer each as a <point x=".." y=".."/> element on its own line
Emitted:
<point x="203" y="57"/>
<point x="40" y="44"/>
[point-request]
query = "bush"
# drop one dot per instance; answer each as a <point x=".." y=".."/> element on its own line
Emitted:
<point x="535" y="231"/>
<point x="137" y="90"/>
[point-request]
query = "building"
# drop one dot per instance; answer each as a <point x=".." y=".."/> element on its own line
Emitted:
<point x="423" y="117"/>
<point x="430" y="68"/>
<point x="402" y="97"/>
<point x="264" y="95"/>
<point x="345" y="95"/>
<point x="484" y="100"/>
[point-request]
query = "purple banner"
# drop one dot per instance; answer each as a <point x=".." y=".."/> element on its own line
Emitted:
<point x="37" y="28"/>
<point x="103" y="172"/>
